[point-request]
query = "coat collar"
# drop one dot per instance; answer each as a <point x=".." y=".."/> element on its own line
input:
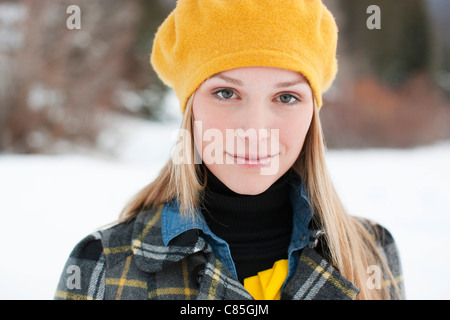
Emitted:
<point x="314" y="278"/>
<point x="148" y="247"/>
<point x="173" y="224"/>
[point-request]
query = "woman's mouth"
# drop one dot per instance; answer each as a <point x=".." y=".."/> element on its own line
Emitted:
<point x="252" y="161"/>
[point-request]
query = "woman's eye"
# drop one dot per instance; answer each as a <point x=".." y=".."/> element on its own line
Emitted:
<point x="287" y="98"/>
<point x="225" y="94"/>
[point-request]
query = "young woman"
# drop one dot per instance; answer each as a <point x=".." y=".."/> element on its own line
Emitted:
<point x="245" y="207"/>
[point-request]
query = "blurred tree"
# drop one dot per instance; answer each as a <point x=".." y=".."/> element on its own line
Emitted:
<point x="439" y="11"/>
<point x="399" y="49"/>
<point x="147" y="86"/>
<point x="385" y="94"/>
<point x="57" y="83"/>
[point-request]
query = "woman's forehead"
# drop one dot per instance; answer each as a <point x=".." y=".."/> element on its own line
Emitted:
<point x="238" y="76"/>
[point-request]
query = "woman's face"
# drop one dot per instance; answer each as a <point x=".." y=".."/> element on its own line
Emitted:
<point x="250" y="124"/>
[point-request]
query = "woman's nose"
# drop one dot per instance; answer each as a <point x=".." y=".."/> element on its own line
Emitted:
<point x="255" y="122"/>
<point x="255" y="118"/>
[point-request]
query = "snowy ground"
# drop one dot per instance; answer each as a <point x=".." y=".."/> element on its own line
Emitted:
<point x="48" y="203"/>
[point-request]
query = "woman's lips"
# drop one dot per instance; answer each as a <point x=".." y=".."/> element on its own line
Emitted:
<point x="251" y="160"/>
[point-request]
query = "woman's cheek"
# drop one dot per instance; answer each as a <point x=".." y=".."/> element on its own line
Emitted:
<point x="292" y="140"/>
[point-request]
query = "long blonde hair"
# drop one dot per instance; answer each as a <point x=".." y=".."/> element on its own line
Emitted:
<point x="351" y="247"/>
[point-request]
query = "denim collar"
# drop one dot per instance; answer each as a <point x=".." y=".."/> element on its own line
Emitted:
<point x="174" y="224"/>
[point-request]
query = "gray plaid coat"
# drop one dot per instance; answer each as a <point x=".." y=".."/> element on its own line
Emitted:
<point x="130" y="261"/>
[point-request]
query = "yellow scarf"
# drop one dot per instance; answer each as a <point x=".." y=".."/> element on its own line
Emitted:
<point x="266" y="285"/>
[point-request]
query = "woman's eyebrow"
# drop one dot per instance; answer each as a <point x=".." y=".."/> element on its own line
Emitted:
<point x="233" y="81"/>
<point x="289" y="83"/>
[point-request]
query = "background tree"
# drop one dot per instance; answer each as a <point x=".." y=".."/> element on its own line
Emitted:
<point x="57" y="85"/>
<point x="386" y="94"/>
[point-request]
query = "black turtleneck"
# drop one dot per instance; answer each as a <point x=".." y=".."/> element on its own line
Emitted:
<point x="257" y="228"/>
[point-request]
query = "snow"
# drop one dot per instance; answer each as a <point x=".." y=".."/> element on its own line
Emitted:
<point x="49" y="203"/>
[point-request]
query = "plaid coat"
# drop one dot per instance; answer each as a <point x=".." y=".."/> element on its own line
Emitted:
<point x="130" y="261"/>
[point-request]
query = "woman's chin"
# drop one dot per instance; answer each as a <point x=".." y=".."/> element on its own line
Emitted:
<point x="249" y="183"/>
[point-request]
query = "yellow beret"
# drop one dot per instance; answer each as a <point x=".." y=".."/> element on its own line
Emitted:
<point x="203" y="37"/>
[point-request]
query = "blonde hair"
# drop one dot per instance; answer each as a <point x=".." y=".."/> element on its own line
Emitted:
<point x="351" y="248"/>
